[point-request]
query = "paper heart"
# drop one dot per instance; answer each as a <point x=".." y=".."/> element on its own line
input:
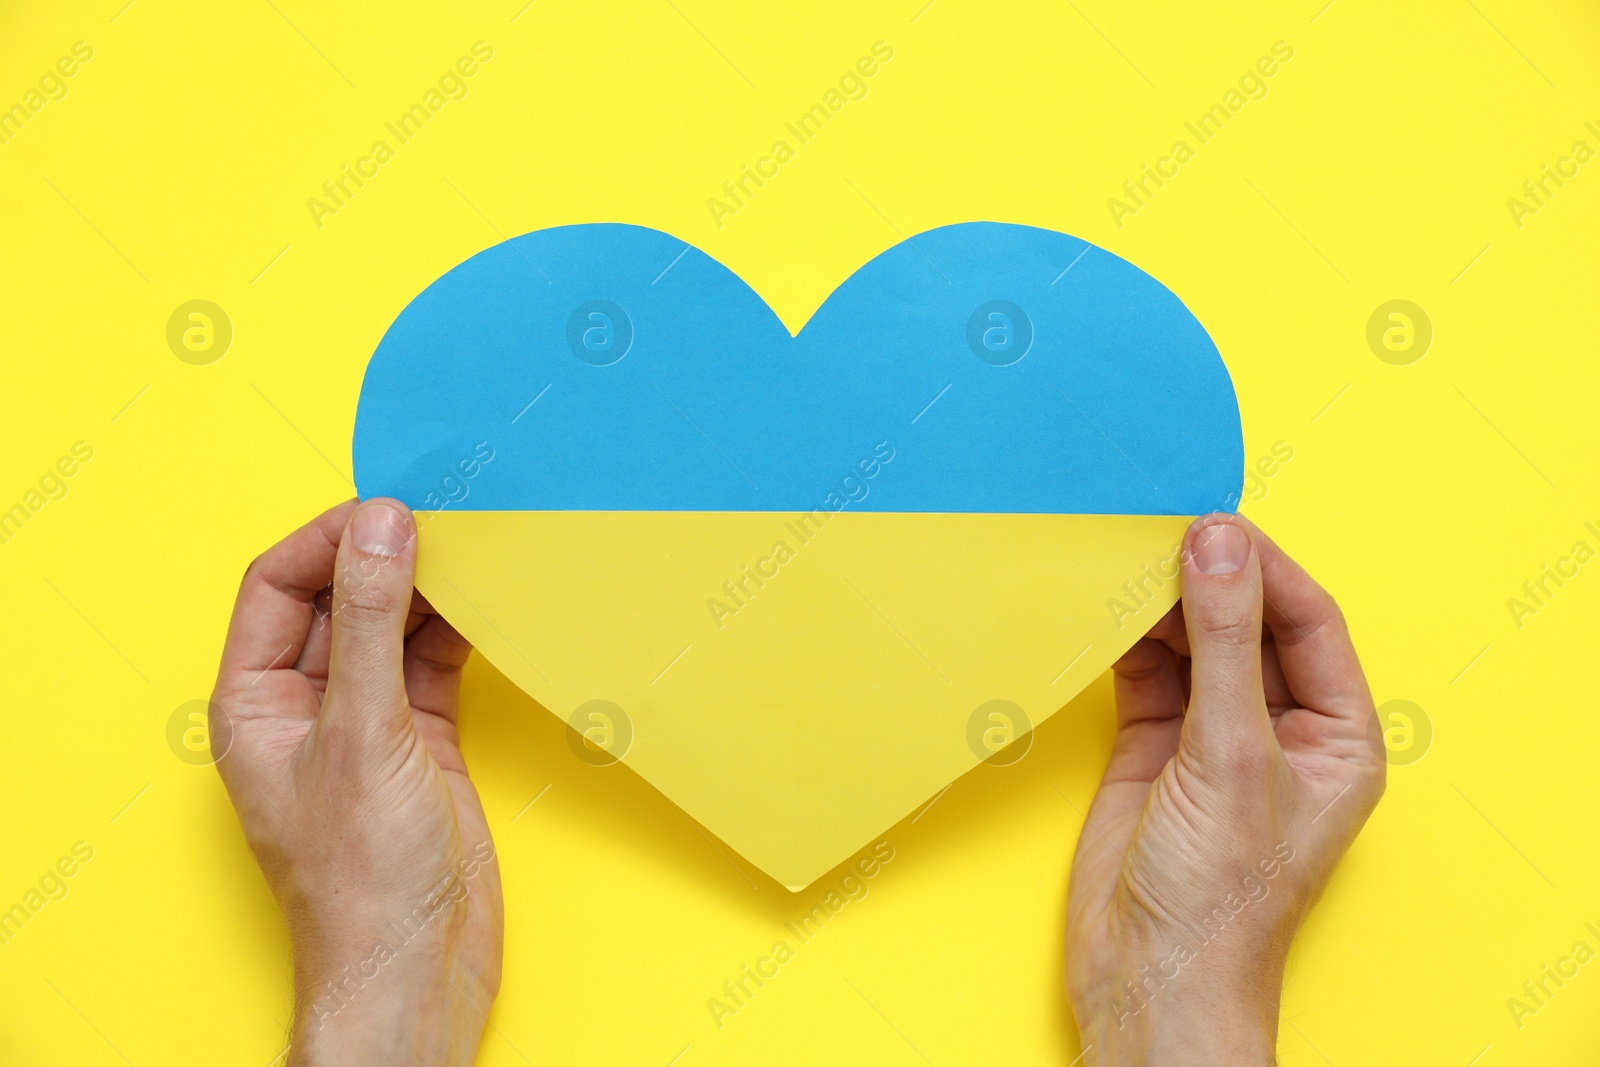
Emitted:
<point x="799" y="583"/>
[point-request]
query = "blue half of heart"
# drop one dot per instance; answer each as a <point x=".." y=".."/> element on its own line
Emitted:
<point x="611" y="367"/>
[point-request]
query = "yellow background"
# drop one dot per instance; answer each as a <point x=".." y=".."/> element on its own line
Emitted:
<point x="1377" y="168"/>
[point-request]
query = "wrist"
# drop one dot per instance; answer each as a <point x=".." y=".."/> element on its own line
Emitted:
<point x="1212" y="1017"/>
<point x="395" y="992"/>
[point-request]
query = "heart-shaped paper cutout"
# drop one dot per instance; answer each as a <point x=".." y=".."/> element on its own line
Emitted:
<point x="799" y="583"/>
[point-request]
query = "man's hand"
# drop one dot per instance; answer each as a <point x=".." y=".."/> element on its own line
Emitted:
<point x="1246" y="760"/>
<point x="335" y="707"/>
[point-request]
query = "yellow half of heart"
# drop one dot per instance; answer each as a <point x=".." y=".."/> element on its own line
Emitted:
<point x="797" y="687"/>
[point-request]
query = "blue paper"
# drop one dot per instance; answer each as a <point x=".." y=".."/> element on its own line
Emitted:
<point x="608" y="367"/>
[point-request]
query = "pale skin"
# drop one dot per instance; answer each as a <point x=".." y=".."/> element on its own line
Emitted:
<point x="1247" y="758"/>
<point x="339" y="687"/>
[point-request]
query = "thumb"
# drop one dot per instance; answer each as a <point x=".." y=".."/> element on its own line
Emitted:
<point x="1222" y="612"/>
<point x="371" y="599"/>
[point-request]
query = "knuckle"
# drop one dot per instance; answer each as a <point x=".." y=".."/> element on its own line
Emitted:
<point x="252" y="569"/>
<point x="366" y="595"/>
<point x="365" y="610"/>
<point x="1246" y="760"/>
<point x="1329" y="619"/>
<point x="341" y="747"/>
<point x="1227" y="623"/>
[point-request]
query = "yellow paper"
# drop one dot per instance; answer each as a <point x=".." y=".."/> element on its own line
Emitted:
<point x="798" y="714"/>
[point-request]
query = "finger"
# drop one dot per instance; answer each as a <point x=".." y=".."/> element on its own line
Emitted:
<point x="313" y="659"/>
<point x="273" y="614"/>
<point x="1170" y="631"/>
<point x="1274" y="687"/>
<point x="1101" y="855"/>
<point x="1318" y="657"/>
<point x="372" y="590"/>
<point x="1147" y="684"/>
<point x="1222" y="611"/>
<point x="435" y="654"/>
<point x="1149" y="693"/>
<point x="419" y="612"/>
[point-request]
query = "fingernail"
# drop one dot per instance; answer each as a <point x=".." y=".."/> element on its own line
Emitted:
<point x="1221" y="548"/>
<point x="379" y="530"/>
